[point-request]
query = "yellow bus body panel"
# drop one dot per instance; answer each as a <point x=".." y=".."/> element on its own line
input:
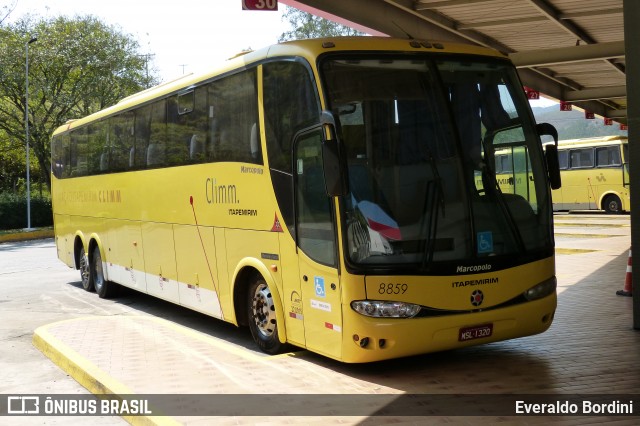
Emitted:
<point x="392" y="338"/>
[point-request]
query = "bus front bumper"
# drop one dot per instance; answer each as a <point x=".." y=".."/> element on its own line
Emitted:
<point x="374" y="339"/>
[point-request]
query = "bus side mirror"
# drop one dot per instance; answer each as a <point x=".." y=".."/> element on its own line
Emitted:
<point x="332" y="160"/>
<point x="553" y="166"/>
<point x="551" y="154"/>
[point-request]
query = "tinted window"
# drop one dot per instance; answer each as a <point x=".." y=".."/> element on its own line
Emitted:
<point x="563" y="159"/>
<point x="97" y="148"/>
<point x="217" y="121"/>
<point x="78" y="153"/>
<point x="290" y="105"/>
<point x="233" y="111"/>
<point x="581" y="158"/>
<point x="608" y="156"/>
<point x="121" y="139"/>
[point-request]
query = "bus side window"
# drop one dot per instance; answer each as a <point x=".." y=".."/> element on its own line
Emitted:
<point x="608" y="156"/>
<point x="78" y="160"/>
<point x="121" y="139"/>
<point x="60" y="155"/>
<point x="233" y="112"/>
<point x="197" y="123"/>
<point x="563" y="159"/>
<point x="290" y="104"/>
<point x="97" y="148"/>
<point x="178" y="133"/>
<point x="141" y="138"/>
<point x="316" y="232"/>
<point x="581" y="158"/>
<point x="156" y="151"/>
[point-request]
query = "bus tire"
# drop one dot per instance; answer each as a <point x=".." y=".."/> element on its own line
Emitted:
<point x="261" y="316"/>
<point x="612" y="204"/>
<point x="104" y="288"/>
<point x="85" y="270"/>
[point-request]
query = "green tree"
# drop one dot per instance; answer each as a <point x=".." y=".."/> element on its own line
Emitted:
<point x="77" y="66"/>
<point x="305" y="25"/>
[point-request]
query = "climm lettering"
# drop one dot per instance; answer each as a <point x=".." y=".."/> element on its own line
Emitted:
<point x="220" y="194"/>
<point x="109" y="196"/>
<point x="474" y="282"/>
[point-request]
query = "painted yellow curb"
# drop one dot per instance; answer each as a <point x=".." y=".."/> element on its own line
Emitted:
<point x="27" y="235"/>
<point x="88" y="374"/>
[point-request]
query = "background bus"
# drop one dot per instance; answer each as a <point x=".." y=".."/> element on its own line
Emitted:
<point x="324" y="193"/>
<point x="510" y="163"/>
<point x="595" y="175"/>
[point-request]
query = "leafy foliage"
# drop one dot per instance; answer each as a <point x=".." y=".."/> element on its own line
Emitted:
<point x="13" y="211"/>
<point x="305" y="25"/>
<point x="77" y="66"/>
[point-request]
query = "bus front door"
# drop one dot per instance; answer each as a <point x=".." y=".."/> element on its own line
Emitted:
<point x="316" y="238"/>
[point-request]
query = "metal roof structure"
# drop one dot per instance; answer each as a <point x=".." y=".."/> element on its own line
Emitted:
<point x="569" y="50"/>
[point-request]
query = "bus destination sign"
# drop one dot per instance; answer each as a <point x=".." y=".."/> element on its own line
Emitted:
<point x="259" y="4"/>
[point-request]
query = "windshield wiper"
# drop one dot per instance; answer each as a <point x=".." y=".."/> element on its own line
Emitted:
<point x="438" y="179"/>
<point x="434" y="198"/>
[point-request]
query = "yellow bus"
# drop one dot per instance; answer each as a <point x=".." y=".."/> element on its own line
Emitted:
<point x="511" y="166"/>
<point x="595" y="175"/>
<point x="322" y="193"/>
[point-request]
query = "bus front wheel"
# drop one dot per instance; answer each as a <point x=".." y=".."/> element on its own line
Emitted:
<point x="104" y="288"/>
<point x="262" y="316"/>
<point x="612" y="204"/>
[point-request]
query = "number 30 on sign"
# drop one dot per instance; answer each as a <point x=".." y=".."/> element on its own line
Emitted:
<point x="259" y="4"/>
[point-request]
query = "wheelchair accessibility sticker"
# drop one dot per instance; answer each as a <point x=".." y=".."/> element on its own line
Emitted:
<point x="485" y="242"/>
<point x="318" y="283"/>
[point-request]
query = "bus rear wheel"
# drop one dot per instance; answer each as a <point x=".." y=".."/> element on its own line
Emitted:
<point x="104" y="288"/>
<point x="85" y="270"/>
<point x="262" y="316"/>
<point x="612" y="204"/>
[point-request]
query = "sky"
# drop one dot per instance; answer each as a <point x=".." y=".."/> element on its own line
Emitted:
<point x="184" y="36"/>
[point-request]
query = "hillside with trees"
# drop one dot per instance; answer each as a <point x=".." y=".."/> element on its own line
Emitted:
<point x="573" y="125"/>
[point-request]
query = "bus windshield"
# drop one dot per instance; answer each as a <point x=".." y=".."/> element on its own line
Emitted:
<point x="444" y="163"/>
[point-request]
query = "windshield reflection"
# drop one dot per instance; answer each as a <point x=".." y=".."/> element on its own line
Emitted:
<point x="422" y="140"/>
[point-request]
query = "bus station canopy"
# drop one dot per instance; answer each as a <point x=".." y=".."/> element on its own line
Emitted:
<point x="568" y="50"/>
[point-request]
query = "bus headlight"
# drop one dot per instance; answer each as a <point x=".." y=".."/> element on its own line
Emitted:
<point x="543" y="289"/>
<point x="385" y="309"/>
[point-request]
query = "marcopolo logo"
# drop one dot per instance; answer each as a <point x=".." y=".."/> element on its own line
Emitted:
<point x="473" y="268"/>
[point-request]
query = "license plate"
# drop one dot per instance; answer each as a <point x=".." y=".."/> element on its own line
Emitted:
<point x="475" y="332"/>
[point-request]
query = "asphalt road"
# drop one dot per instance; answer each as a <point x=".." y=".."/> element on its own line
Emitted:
<point x="37" y="289"/>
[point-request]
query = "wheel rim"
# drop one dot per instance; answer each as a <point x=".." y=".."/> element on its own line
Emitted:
<point x="98" y="278"/>
<point x="84" y="269"/>
<point x="264" y="313"/>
